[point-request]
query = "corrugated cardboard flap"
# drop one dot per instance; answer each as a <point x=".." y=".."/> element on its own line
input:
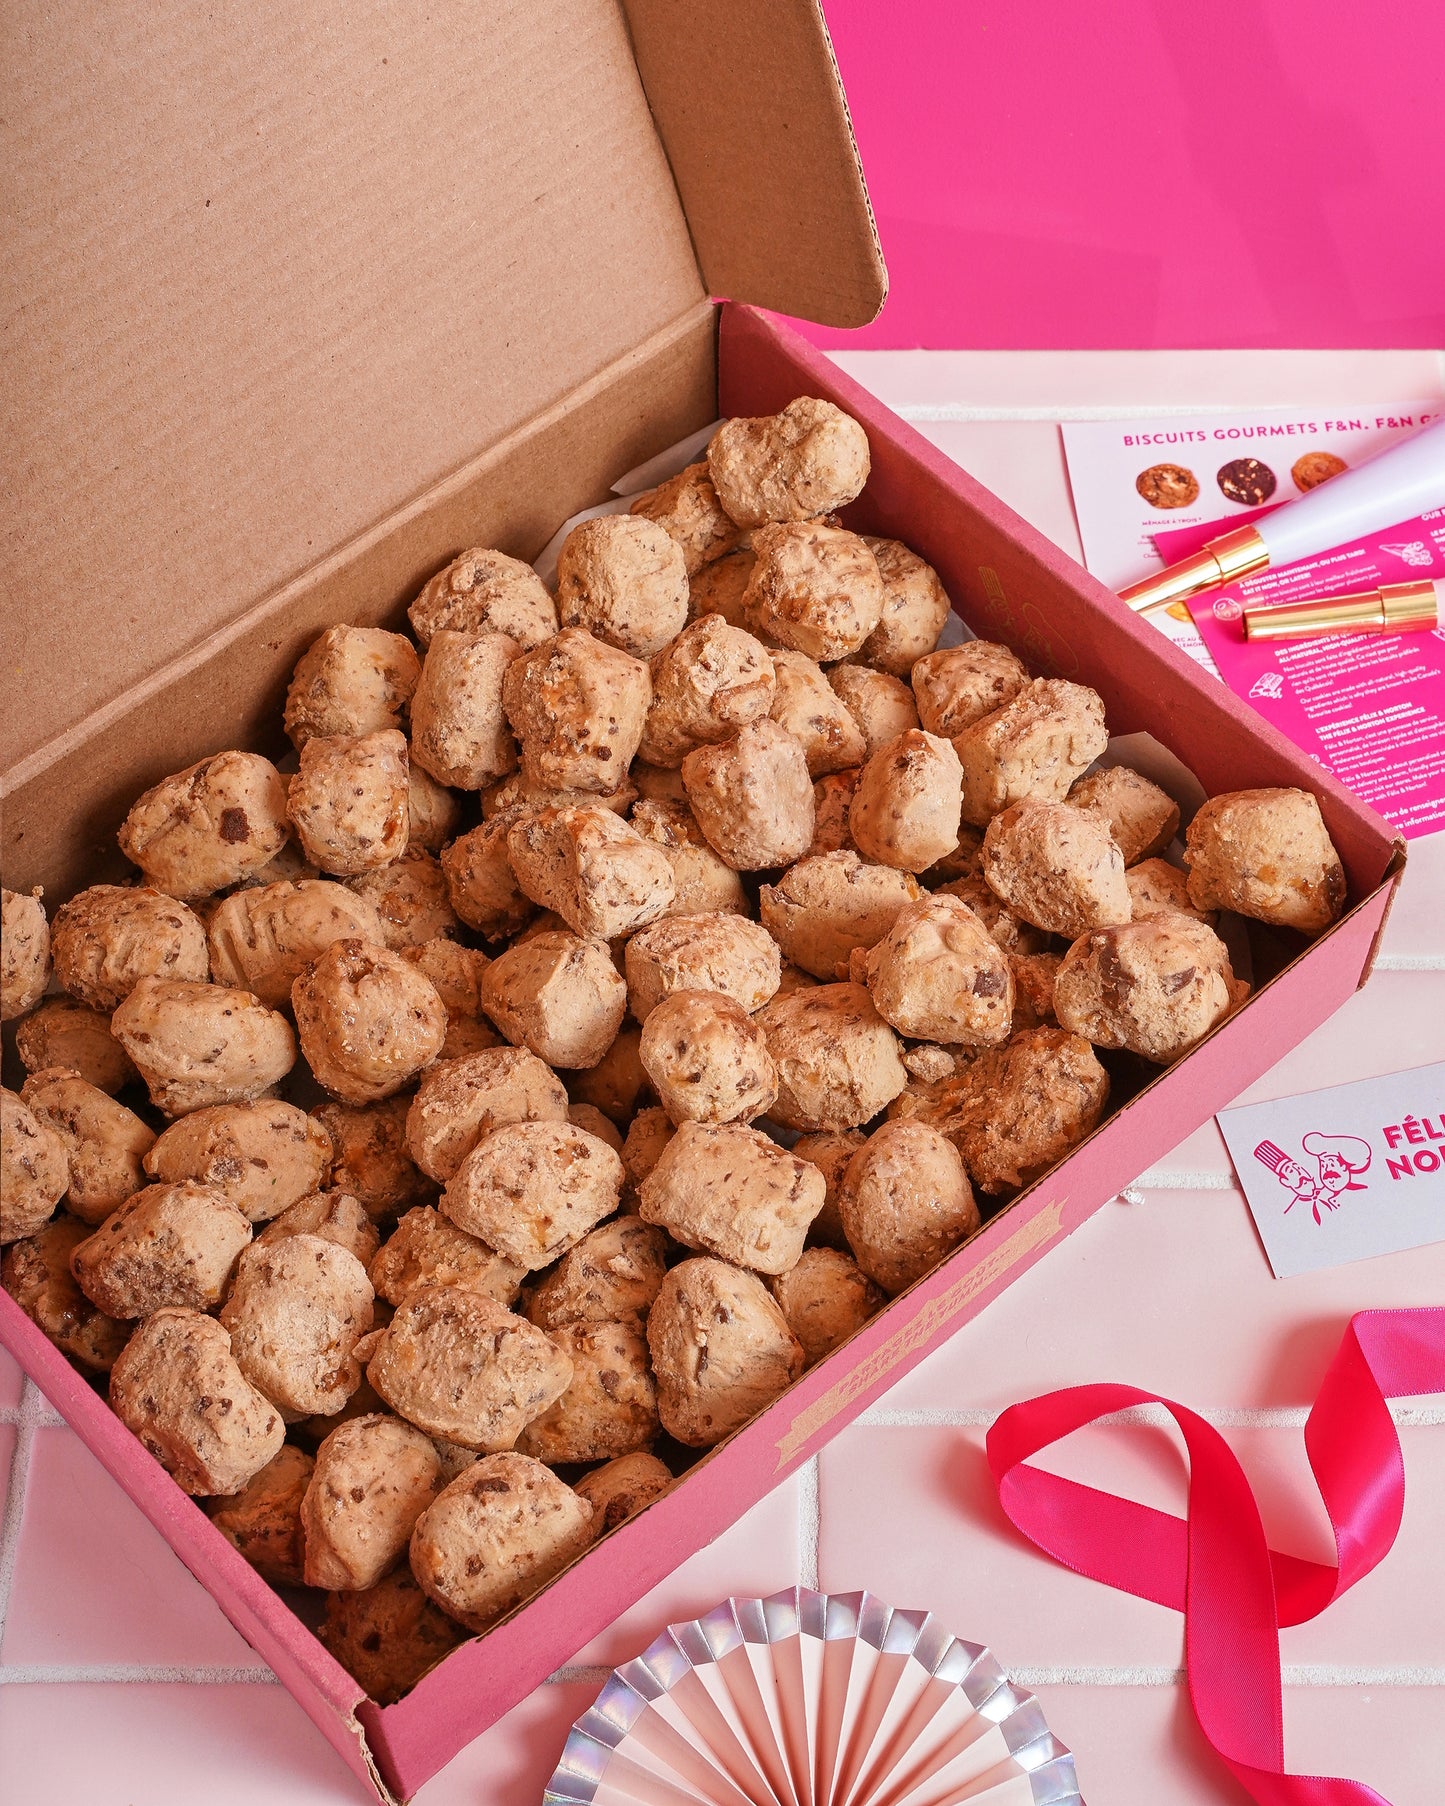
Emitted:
<point x="277" y="269"/>
<point x="751" y="111"/>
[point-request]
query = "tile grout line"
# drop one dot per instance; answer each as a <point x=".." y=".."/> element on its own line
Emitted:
<point x="809" y="1523"/>
<point x="1292" y="1674"/>
<point x="31" y="1415"/>
<point x="1268" y="1417"/>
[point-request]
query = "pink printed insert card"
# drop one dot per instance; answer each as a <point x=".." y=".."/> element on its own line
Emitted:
<point x="812" y="1699"/>
<point x="1346" y="1173"/>
<point x="1370" y="707"/>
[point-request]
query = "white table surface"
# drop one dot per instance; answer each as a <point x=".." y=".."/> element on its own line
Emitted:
<point x="122" y="1685"/>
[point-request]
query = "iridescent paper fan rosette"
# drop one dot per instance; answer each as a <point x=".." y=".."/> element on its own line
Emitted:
<point x="812" y="1699"/>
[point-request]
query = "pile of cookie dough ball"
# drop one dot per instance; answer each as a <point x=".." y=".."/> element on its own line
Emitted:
<point x="682" y="963"/>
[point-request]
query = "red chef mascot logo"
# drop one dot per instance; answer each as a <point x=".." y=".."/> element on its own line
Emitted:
<point x="1337" y="1159"/>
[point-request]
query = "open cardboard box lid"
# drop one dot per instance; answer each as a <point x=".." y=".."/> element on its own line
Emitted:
<point x="279" y="269"/>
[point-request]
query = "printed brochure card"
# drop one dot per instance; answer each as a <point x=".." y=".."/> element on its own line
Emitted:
<point x="1369" y="706"/>
<point x="1131" y="479"/>
<point x="1344" y="1174"/>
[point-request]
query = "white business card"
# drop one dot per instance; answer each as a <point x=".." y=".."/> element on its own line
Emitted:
<point x="1340" y="1175"/>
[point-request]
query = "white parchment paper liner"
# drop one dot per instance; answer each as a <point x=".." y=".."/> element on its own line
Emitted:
<point x="812" y="1699"/>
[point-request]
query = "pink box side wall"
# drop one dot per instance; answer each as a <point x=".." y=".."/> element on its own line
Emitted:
<point x="1062" y="619"/>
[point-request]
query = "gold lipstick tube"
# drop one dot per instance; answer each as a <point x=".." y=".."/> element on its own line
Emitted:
<point x="1226" y="559"/>
<point x="1393" y="608"/>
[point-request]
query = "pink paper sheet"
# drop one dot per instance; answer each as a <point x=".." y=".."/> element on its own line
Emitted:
<point x="1370" y="707"/>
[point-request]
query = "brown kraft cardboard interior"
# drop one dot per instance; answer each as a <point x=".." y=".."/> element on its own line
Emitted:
<point x="276" y="272"/>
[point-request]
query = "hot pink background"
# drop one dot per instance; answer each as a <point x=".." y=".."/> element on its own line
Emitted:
<point x="1151" y="173"/>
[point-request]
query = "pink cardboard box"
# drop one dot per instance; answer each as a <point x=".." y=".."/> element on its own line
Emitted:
<point x="1008" y="584"/>
<point x="127" y="680"/>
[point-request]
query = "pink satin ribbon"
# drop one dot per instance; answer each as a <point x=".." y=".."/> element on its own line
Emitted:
<point x="1216" y="1567"/>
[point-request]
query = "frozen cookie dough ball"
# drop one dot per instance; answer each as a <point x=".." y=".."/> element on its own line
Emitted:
<point x="613" y="1274"/>
<point x="601" y="876"/>
<point x="702" y="884"/>
<point x="485" y="591"/>
<point x="433" y="813"/>
<point x="262" y="1156"/>
<point x="1142" y="818"/>
<point x="263" y="1520"/>
<point x="348" y="802"/>
<point x="687" y="509"/>
<point x="958" y="685"/>
<point x="622" y="1488"/>
<point x="1022" y="1106"/>
<point x="178" y="1388"/>
<point x="623" y="578"/>
<point x="647" y="1135"/>
<point x="1035" y="746"/>
<point x="427" y="1250"/>
<point x="296" y="1312"/>
<point x="106" y="939"/>
<point x="1012" y="934"/>
<point x="481" y="885"/>
<point x="707" y="1059"/>
<point x="753" y="797"/>
<point x="719" y="588"/>
<point x="497" y="1534"/>
<point x="831" y="903"/>
<point x="263" y="938"/>
<point x="387" y="1636"/>
<point x="532" y="1190"/>
<point x="373" y="1479"/>
<point x="825" y="1298"/>
<point x="807" y="706"/>
<point x="938" y="975"/>
<point x="208" y="826"/>
<point x="197" y="1044"/>
<point x="333" y="1216"/>
<point x="168" y="1245"/>
<point x="351" y="681"/>
<point x="411" y="901"/>
<point x="36" y="1273"/>
<point x="461" y="1102"/>
<point x="814" y="589"/>
<point x="559" y="995"/>
<point x="807" y="460"/>
<point x="460" y="1366"/>
<point x="370" y="1159"/>
<point x="1266" y="854"/>
<point x="726" y="954"/>
<point x="578" y="707"/>
<point x="832" y="800"/>
<point x="905" y="811"/>
<point x="609" y="1409"/>
<point x="1158" y="888"/>
<point x="731" y="1191"/>
<point x="721" y="1351"/>
<point x="459" y="731"/>
<point x="830" y="1152"/>
<point x="707" y="684"/>
<point x="1034" y="975"/>
<point x="881" y="706"/>
<point x="62" y="1032"/>
<point x="1056" y="867"/>
<point x="105" y="1143"/>
<point x="24" y="953"/>
<point x="915" y="609"/>
<point x="837" y="1059"/>
<point x="368" y="1021"/>
<point x="1155" y="987"/>
<point x="906" y="1203"/>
